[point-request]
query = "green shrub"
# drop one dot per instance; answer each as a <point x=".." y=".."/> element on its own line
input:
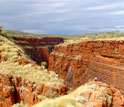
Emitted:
<point x="44" y="64"/>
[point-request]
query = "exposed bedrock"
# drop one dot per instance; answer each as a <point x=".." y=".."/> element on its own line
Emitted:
<point x="7" y="89"/>
<point x="79" y="63"/>
<point x="38" y="48"/>
<point x="21" y="79"/>
<point x="14" y="90"/>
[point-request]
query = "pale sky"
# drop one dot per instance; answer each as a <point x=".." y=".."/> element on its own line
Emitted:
<point x="62" y="16"/>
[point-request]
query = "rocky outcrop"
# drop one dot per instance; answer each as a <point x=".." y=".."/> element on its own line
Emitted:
<point x="90" y="59"/>
<point x="7" y="90"/>
<point x="15" y="90"/>
<point x="92" y="94"/>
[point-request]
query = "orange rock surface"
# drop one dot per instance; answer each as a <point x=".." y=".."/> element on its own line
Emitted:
<point x="91" y="94"/>
<point x="90" y="59"/>
<point x="15" y="90"/>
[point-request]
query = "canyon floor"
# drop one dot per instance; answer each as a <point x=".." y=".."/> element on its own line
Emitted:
<point x="82" y="71"/>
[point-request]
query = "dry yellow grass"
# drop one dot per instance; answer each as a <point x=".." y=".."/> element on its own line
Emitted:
<point x="10" y="52"/>
<point x="94" y="37"/>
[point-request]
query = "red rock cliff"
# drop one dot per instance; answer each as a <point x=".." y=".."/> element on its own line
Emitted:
<point x="21" y="79"/>
<point x="86" y="60"/>
<point x="15" y="90"/>
<point x="38" y="48"/>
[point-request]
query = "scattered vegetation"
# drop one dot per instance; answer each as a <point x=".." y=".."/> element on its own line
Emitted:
<point x="12" y="33"/>
<point x="77" y="98"/>
<point x="93" y="37"/>
<point x="20" y="105"/>
<point x="11" y="53"/>
<point x="69" y="39"/>
<point x="52" y="94"/>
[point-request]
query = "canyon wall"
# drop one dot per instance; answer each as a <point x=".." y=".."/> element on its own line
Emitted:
<point x="38" y="48"/>
<point x="84" y="61"/>
<point x="21" y="79"/>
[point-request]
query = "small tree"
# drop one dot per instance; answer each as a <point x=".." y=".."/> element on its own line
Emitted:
<point x="44" y="64"/>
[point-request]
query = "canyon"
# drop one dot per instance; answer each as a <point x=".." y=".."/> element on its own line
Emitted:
<point x="38" y="48"/>
<point x="70" y="66"/>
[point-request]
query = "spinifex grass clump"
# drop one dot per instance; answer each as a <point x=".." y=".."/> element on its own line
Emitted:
<point x="11" y="52"/>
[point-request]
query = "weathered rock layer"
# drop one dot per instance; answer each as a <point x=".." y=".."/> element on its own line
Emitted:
<point x="14" y="90"/>
<point x="92" y="94"/>
<point x="86" y="60"/>
<point x="38" y="48"/>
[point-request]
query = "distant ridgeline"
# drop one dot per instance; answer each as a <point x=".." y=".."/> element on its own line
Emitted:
<point x="37" y="47"/>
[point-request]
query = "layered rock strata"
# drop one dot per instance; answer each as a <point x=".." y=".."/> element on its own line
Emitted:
<point x="15" y="90"/>
<point x="90" y="59"/>
<point x="38" y="48"/>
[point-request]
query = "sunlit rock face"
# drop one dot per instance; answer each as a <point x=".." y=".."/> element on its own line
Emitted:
<point x="91" y="94"/>
<point x="90" y="59"/>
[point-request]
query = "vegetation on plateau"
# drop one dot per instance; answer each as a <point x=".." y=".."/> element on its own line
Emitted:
<point x="69" y="39"/>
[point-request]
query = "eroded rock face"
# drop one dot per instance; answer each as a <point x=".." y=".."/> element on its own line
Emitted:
<point x="104" y="95"/>
<point x="91" y="94"/>
<point x="14" y="90"/>
<point x="7" y="90"/>
<point x="102" y="59"/>
<point x="38" y="49"/>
